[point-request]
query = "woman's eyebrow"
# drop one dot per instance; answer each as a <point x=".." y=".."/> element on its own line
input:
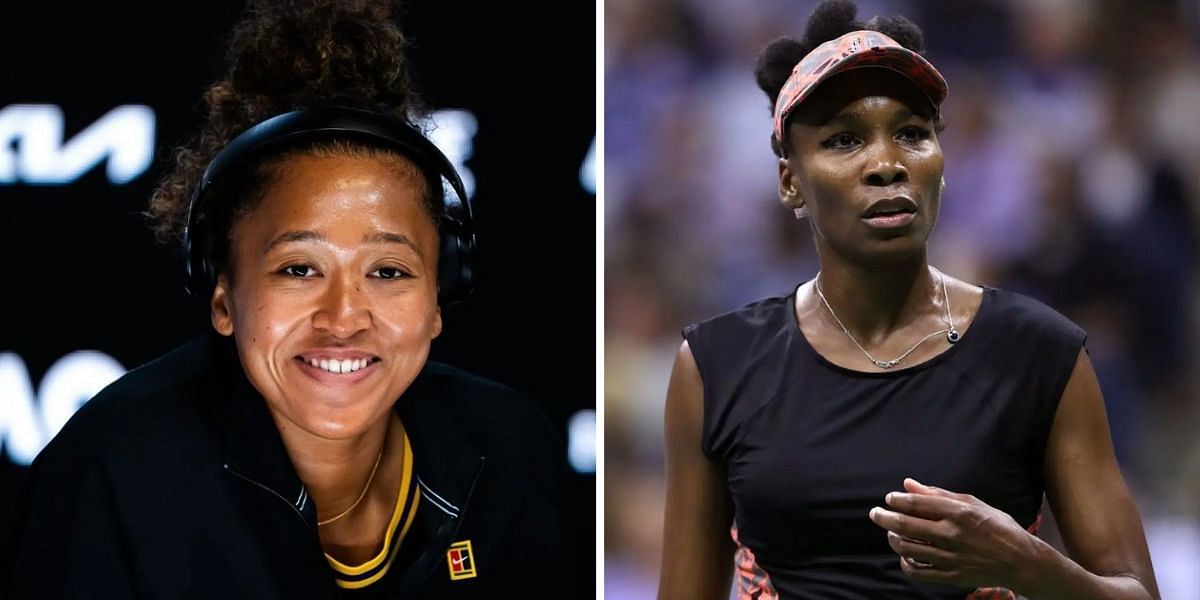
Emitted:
<point x="850" y="118"/>
<point x="847" y="118"/>
<point x="904" y="114"/>
<point x="288" y="237"/>
<point x="387" y="237"/>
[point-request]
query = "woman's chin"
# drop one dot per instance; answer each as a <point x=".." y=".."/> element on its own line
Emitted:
<point x="339" y="426"/>
<point x="336" y="421"/>
<point x="886" y="253"/>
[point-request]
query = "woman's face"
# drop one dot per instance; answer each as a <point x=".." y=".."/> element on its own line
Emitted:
<point x="867" y="165"/>
<point x="336" y="266"/>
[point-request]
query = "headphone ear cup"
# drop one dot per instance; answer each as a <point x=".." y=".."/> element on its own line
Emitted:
<point x="455" y="264"/>
<point x="207" y="268"/>
<point x="200" y="275"/>
<point x="447" y="268"/>
<point x="199" y="269"/>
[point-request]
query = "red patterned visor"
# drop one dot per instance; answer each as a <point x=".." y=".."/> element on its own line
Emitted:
<point x="851" y="51"/>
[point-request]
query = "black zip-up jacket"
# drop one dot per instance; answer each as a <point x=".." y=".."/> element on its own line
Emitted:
<point x="173" y="482"/>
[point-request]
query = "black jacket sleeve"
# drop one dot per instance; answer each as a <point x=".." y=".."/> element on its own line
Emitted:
<point x="65" y="538"/>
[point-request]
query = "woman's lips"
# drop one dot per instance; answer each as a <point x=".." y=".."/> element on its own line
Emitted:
<point x="891" y="220"/>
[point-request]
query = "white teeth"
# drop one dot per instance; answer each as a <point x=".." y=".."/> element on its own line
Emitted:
<point x="340" y="366"/>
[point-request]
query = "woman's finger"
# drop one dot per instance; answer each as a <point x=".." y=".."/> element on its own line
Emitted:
<point x="917" y="487"/>
<point x="927" y="555"/>
<point x="916" y="570"/>
<point x="923" y="505"/>
<point x="909" y="526"/>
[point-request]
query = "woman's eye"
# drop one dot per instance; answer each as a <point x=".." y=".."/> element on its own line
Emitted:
<point x="913" y="134"/>
<point x="390" y="273"/>
<point x="840" y="140"/>
<point x="299" y="271"/>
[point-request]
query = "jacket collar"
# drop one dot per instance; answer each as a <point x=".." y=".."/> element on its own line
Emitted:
<point x="253" y="448"/>
<point x="445" y="461"/>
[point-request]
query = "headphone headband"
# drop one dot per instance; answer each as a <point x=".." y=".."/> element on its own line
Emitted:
<point x="455" y="227"/>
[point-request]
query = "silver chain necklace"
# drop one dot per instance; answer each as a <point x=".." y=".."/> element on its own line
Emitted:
<point x="952" y="334"/>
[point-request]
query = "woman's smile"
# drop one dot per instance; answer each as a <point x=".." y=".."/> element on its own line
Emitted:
<point x="338" y="372"/>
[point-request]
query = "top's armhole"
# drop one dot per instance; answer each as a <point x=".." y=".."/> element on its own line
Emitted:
<point x="692" y="336"/>
<point x="1076" y="343"/>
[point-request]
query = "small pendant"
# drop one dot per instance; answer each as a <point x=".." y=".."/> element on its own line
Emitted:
<point x="882" y="364"/>
<point x="952" y="335"/>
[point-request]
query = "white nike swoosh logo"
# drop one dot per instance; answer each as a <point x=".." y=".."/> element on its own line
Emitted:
<point x="459" y="561"/>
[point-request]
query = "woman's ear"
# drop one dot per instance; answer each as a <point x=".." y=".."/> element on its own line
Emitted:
<point x="789" y="194"/>
<point x="437" y="322"/>
<point x="222" y="307"/>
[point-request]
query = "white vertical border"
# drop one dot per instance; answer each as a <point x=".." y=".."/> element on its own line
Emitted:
<point x="600" y="299"/>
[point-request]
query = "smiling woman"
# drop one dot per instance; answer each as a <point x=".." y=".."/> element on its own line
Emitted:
<point x="307" y="447"/>
<point x="337" y="248"/>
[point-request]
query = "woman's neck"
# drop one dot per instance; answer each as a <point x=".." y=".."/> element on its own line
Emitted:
<point x="874" y="301"/>
<point x="336" y="472"/>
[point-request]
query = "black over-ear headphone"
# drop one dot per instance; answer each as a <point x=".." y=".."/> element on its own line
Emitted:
<point x="457" y="254"/>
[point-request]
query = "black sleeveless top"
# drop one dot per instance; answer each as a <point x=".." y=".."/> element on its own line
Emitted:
<point x="810" y="447"/>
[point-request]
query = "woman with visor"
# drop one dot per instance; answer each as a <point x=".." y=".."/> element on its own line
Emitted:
<point x="886" y="430"/>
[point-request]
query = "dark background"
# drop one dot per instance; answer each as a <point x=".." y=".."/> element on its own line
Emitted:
<point x="81" y="270"/>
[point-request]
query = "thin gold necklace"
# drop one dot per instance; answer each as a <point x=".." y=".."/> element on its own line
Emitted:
<point x="952" y="334"/>
<point x="360" y="496"/>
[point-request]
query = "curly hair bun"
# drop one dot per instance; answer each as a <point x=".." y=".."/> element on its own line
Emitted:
<point x="284" y="55"/>
<point x="305" y="52"/>
<point x="830" y="20"/>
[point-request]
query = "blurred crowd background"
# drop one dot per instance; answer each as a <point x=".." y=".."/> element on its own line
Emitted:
<point x="1073" y="175"/>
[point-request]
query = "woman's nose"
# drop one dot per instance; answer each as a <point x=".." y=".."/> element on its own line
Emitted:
<point x="344" y="308"/>
<point x="885" y="168"/>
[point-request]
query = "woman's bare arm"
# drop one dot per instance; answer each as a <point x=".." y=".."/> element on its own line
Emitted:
<point x="1092" y="506"/>
<point x="697" y="549"/>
